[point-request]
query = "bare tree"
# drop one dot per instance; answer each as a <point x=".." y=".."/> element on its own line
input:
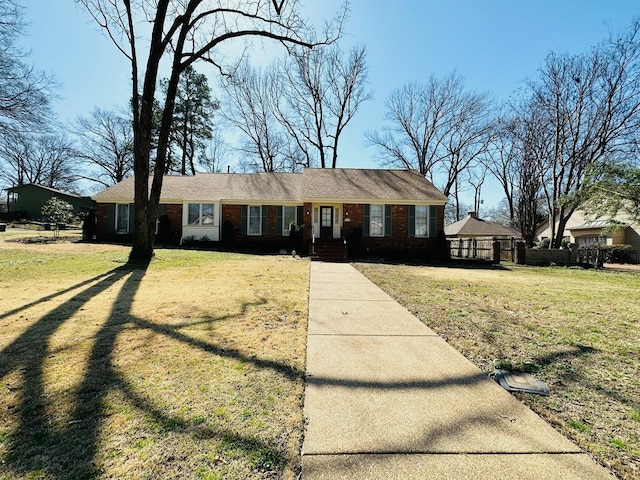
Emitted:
<point x="466" y="140"/>
<point x="252" y="98"/>
<point x="591" y="105"/>
<point x="452" y="211"/>
<point x="43" y="159"/>
<point x="502" y="158"/>
<point x="322" y="91"/>
<point x="105" y="145"/>
<point x="216" y="152"/>
<point x="25" y="91"/>
<point x="418" y="117"/>
<point x="178" y="33"/>
<point x="437" y="128"/>
<point x="292" y="114"/>
<point x="477" y="177"/>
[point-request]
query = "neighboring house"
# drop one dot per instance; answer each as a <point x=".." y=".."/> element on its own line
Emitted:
<point x="584" y="232"/>
<point x="374" y="211"/>
<point x="26" y="201"/>
<point x="473" y="227"/>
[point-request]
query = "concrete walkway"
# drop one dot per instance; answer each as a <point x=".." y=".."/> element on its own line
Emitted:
<point x="387" y="398"/>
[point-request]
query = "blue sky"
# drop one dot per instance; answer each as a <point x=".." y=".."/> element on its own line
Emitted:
<point x="494" y="44"/>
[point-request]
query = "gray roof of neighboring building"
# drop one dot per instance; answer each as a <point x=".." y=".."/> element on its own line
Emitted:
<point x="27" y="186"/>
<point x="342" y="184"/>
<point x="471" y="225"/>
<point x="593" y="224"/>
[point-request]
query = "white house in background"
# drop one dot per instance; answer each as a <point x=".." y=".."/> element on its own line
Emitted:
<point x="585" y="231"/>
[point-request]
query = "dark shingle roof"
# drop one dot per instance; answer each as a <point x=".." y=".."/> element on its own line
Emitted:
<point x="338" y="184"/>
<point x="369" y="184"/>
<point x="217" y="186"/>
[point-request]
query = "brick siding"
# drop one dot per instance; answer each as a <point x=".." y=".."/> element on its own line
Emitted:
<point x="399" y="243"/>
<point x="268" y="241"/>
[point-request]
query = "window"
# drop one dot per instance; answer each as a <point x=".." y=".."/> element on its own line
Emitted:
<point x="122" y="218"/>
<point x="200" y="214"/>
<point x="376" y="221"/>
<point x="589" y="241"/>
<point x="255" y="220"/>
<point x="422" y="221"/>
<point x="288" y="219"/>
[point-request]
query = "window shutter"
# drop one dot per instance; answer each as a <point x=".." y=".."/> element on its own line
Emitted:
<point x="279" y="210"/>
<point x="265" y="220"/>
<point x="387" y="220"/>
<point x="132" y="217"/>
<point x="111" y="218"/>
<point x="412" y="220"/>
<point x="300" y="216"/>
<point x="365" y="224"/>
<point x="432" y="221"/>
<point x="243" y="219"/>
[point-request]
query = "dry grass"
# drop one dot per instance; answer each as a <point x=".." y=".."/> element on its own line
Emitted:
<point x="576" y="330"/>
<point x="190" y="368"/>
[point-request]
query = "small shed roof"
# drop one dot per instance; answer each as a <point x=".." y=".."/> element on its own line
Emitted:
<point x="476" y="227"/>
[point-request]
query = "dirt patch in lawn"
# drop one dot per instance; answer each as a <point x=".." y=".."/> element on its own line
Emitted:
<point x="69" y="242"/>
<point x="191" y="367"/>
<point x="576" y="330"/>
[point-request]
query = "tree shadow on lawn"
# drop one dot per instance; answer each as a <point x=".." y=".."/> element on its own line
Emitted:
<point x="573" y="376"/>
<point x="37" y="446"/>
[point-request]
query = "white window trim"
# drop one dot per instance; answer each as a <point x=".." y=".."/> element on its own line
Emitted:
<point x="200" y="224"/>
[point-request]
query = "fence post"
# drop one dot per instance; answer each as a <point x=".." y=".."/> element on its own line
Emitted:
<point x="496" y="251"/>
<point x="520" y="253"/>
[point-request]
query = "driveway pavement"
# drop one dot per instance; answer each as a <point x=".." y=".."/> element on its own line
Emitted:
<point x="387" y="398"/>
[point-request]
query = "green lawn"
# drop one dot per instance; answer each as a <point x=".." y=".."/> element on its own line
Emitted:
<point x="577" y="330"/>
<point x="190" y="368"/>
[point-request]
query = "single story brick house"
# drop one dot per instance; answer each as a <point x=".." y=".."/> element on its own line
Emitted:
<point x="371" y="211"/>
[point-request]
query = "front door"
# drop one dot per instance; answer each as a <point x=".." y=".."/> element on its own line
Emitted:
<point x="326" y="222"/>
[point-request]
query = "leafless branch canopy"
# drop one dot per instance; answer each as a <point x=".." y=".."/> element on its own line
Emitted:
<point x="173" y="35"/>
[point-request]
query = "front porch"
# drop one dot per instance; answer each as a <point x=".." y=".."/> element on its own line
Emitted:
<point x="326" y="240"/>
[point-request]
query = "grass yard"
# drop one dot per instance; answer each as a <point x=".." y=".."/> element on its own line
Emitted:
<point x="577" y="330"/>
<point x="190" y="368"/>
